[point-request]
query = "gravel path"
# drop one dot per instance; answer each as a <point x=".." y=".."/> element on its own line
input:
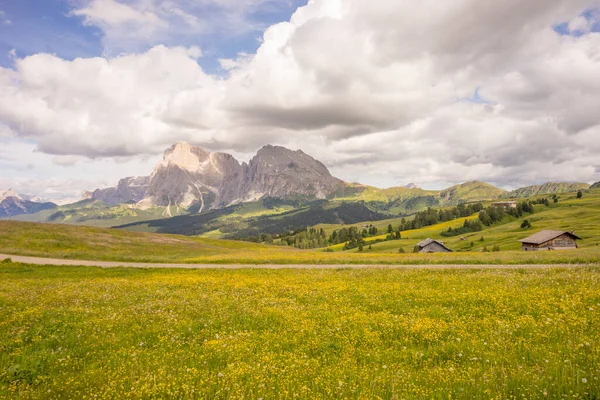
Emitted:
<point x="116" y="264"/>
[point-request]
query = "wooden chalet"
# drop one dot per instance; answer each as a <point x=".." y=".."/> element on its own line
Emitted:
<point x="550" y="240"/>
<point x="432" y="246"/>
<point x="505" y="204"/>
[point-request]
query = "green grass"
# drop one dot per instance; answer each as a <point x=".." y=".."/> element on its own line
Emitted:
<point x="80" y="332"/>
<point x="581" y="215"/>
<point x="87" y="243"/>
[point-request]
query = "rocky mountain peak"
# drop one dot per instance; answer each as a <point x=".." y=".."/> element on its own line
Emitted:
<point x="283" y="158"/>
<point x="279" y="172"/>
<point x="185" y="156"/>
<point x="4" y="194"/>
<point x="189" y="176"/>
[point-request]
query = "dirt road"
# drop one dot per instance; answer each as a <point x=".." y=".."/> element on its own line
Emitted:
<point x="117" y="264"/>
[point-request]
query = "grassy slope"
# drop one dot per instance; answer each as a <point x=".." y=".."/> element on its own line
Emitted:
<point x="581" y="215"/>
<point x="87" y="243"/>
<point x="547" y="188"/>
<point x="237" y="216"/>
<point x="77" y="332"/>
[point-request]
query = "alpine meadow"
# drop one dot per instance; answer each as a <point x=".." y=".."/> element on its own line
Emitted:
<point x="300" y="199"/>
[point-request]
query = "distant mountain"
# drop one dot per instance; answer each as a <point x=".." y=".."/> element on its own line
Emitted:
<point x="190" y="180"/>
<point x="12" y="204"/>
<point x="197" y="180"/>
<point x="546" y="188"/>
<point x="595" y="186"/>
<point x="94" y="213"/>
<point x="129" y="190"/>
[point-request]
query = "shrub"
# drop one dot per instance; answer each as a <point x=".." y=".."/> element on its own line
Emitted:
<point x="526" y="224"/>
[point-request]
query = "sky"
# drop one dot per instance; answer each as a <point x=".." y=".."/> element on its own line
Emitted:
<point x="383" y="92"/>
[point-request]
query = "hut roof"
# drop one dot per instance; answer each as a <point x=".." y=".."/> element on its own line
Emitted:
<point x="428" y="241"/>
<point x="544" y="236"/>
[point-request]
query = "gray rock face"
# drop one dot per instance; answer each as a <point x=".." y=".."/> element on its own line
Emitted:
<point x="128" y="190"/>
<point x="191" y="176"/>
<point x="279" y="172"/>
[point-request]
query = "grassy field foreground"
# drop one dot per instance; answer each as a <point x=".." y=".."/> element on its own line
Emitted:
<point x="86" y="243"/>
<point x="128" y="333"/>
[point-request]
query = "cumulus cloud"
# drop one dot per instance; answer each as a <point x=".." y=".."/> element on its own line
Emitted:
<point x="381" y="91"/>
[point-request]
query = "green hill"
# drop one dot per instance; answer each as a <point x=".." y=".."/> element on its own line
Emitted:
<point x="405" y="201"/>
<point x="570" y="213"/>
<point x="470" y="192"/>
<point x="89" y="243"/>
<point x="547" y="188"/>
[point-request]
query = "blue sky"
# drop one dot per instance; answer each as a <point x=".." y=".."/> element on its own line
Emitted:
<point x="49" y="26"/>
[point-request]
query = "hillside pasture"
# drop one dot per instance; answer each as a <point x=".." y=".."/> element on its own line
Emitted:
<point x="86" y="243"/>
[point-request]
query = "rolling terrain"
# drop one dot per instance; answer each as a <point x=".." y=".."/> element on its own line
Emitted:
<point x="569" y="213"/>
<point x="87" y="243"/>
<point x="195" y="192"/>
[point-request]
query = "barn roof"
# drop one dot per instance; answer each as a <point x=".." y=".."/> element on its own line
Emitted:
<point x="428" y="241"/>
<point x="544" y="236"/>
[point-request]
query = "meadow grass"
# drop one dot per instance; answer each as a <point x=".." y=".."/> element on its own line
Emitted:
<point x="87" y="243"/>
<point x="570" y="213"/>
<point x="80" y="332"/>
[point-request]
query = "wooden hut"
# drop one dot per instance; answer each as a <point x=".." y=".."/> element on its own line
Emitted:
<point x="550" y="240"/>
<point x="432" y="246"/>
<point x="505" y="204"/>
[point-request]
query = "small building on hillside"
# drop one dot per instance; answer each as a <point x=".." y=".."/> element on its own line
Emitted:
<point x="432" y="246"/>
<point x="505" y="204"/>
<point x="550" y="240"/>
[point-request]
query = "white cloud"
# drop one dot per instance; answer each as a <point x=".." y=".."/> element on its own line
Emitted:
<point x="373" y="88"/>
<point x="123" y="25"/>
<point x="135" y="25"/>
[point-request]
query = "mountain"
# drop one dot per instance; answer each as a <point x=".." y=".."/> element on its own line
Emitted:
<point x="128" y="190"/>
<point x="197" y="180"/>
<point x="281" y="173"/>
<point x="12" y="204"/>
<point x="546" y="188"/>
<point x="595" y="186"/>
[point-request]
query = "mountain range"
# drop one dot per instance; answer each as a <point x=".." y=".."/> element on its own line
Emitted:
<point x="190" y="177"/>
<point x="12" y="203"/>
<point x="190" y="180"/>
